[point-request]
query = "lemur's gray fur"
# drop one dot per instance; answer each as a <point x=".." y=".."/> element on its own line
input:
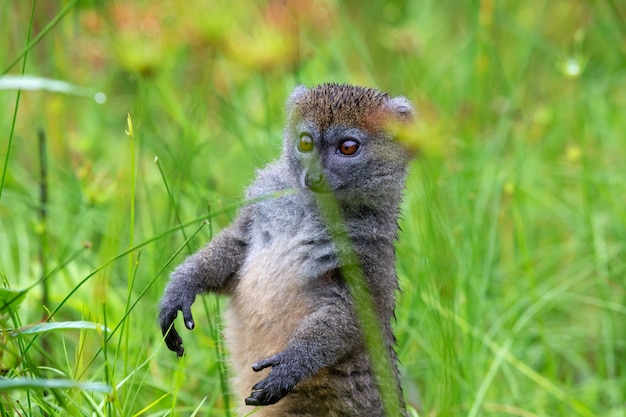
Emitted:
<point x="291" y="329"/>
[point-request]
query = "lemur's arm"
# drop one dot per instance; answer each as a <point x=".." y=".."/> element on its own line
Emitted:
<point x="212" y="268"/>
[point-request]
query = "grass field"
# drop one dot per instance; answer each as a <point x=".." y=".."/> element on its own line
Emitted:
<point x="512" y="256"/>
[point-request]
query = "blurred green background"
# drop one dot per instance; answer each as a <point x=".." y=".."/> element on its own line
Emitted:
<point x="512" y="256"/>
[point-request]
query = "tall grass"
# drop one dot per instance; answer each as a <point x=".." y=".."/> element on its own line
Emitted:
<point x="511" y="256"/>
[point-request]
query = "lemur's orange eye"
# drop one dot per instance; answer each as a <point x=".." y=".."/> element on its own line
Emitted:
<point x="305" y="143"/>
<point x="348" y="147"/>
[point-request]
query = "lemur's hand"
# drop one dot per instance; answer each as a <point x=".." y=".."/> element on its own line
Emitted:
<point x="280" y="381"/>
<point x="169" y="310"/>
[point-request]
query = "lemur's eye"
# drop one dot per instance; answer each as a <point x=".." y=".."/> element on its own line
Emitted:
<point x="348" y="147"/>
<point x="305" y="143"/>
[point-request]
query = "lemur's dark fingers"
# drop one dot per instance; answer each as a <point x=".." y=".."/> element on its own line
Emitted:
<point x="174" y="342"/>
<point x="269" y="391"/>
<point x="187" y="317"/>
<point x="265" y="363"/>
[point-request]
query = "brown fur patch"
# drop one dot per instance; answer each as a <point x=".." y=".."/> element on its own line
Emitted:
<point x="333" y="104"/>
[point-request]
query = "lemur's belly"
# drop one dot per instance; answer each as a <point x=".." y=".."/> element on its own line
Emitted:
<point x="265" y="309"/>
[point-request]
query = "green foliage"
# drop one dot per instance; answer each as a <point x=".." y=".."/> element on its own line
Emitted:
<point x="513" y="245"/>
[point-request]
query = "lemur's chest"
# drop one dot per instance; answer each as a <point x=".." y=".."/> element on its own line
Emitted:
<point x="277" y="281"/>
<point x="281" y="265"/>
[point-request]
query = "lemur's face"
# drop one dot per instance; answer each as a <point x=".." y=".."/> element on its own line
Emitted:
<point x="338" y="139"/>
<point x="336" y="159"/>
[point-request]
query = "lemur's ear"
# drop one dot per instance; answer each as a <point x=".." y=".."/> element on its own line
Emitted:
<point x="402" y="108"/>
<point x="295" y="95"/>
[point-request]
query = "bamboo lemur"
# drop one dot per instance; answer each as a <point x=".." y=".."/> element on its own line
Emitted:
<point x="291" y="328"/>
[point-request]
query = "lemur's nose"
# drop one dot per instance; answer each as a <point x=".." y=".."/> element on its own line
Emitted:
<point x="314" y="180"/>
